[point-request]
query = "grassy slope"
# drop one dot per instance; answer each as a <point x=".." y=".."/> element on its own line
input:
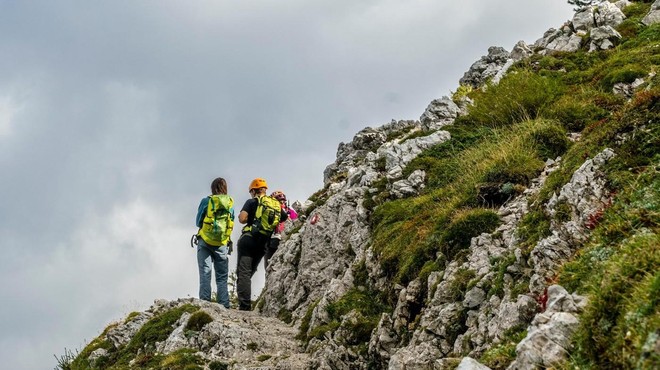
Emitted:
<point x="501" y="144"/>
<point x="494" y="152"/>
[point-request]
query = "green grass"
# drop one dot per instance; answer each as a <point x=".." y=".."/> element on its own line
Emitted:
<point x="408" y="233"/>
<point x="143" y="342"/>
<point x="198" y="320"/>
<point x="499" y="357"/>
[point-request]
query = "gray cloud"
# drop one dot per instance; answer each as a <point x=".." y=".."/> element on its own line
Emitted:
<point x="115" y="117"/>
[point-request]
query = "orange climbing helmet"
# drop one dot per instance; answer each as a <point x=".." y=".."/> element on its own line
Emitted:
<point x="258" y="183"/>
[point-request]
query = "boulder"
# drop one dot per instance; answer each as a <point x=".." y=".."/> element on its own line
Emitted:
<point x="548" y="339"/>
<point x="521" y="51"/>
<point x="654" y="14"/>
<point x="440" y="112"/>
<point x="410" y="186"/>
<point x="468" y="363"/>
<point x="603" y="38"/>
<point x="486" y="67"/>
<point x="627" y="90"/>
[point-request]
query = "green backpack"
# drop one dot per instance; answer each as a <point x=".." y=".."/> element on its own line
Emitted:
<point x="267" y="216"/>
<point x="218" y="222"/>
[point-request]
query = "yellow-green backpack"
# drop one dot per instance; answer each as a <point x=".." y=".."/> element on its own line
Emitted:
<point x="218" y="222"/>
<point x="267" y="216"/>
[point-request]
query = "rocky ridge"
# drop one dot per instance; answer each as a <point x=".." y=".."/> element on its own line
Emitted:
<point x="315" y="263"/>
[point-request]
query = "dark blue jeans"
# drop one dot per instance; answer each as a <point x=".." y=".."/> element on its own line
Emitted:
<point x="208" y="255"/>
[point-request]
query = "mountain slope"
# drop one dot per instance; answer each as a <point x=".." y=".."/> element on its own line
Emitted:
<point x="515" y="223"/>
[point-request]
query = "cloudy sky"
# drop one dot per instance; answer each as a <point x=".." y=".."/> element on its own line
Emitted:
<point x="115" y="116"/>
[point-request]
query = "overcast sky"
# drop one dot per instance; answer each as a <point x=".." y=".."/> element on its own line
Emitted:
<point x="115" y="116"/>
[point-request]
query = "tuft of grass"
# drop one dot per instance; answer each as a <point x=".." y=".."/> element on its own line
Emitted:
<point x="285" y="315"/>
<point x="218" y="365"/>
<point x="465" y="225"/>
<point x="303" y="331"/>
<point x="262" y="358"/>
<point x="499" y="357"/>
<point x="197" y="321"/>
<point x="183" y="359"/>
<point x="576" y="110"/>
<point x="520" y="96"/>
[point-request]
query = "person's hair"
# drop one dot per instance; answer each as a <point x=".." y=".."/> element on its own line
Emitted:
<point x="260" y="191"/>
<point x="219" y="186"/>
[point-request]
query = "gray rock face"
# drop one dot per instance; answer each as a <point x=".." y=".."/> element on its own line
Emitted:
<point x="521" y="51"/>
<point x="312" y="267"/>
<point x="469" y="363"/>
<point x="398" y="154"/>
<point x="603" y="38"/>
<point x="598" y="20"/>
<point x="364" y="142"/>
<point x="440" y="112"/>
<point x="585" y="195"/>
<point x="235" y="337"/>
<point x="468" y="325"/>
<point x="486" y="67"/>
<point x="410" y="186"/>
<point x="654" y="14"/>
<point x="548" y="339"/>
<point x="564" y="40"/>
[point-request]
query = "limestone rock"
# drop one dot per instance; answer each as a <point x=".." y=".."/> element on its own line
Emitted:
<point x="486" y="67"/>
<point x="608" y="14"/>
<point x="585" y="195"/>
<point x="654" y="14"/>
<point x="440" y="112"/>
<point x="603" y="38"/>
<point x="548" y="340"/>
<point x="410" y="186"/>
<point x="469" y="363"/>
<point x="398" y="155"/>
<point x="627" y="90"/>
<point x="521" y="51"/>
<point x="622" y="4"/>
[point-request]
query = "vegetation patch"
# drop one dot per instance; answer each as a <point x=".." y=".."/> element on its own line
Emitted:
<point x="499" y="357"/>
<point x="519" y="97"/>
<point x="198" y="320"/>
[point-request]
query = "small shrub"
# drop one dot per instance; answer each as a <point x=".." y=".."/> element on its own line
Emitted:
<point x="459" y="285"/>
<point x="252" y="346"/>
<point x="462" y="92"/>
<point x="218" y="365"/>
<point x="197" y="321"/>
<point x="464" y="226"/>
<point x="262" y="358"/>
<point x="517" y="168"/>
<point x="501" y="355"/>
<point x="183" y="359"/>
<point x="285" y="315"/>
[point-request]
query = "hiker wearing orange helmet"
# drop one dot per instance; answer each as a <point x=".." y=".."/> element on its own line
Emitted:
<point x="275" y="239"/>
<point x="261" y="215"/>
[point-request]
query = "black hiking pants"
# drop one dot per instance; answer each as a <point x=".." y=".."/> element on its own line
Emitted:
<point x="251" y="250"/>
<point x="271" y="248"/>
